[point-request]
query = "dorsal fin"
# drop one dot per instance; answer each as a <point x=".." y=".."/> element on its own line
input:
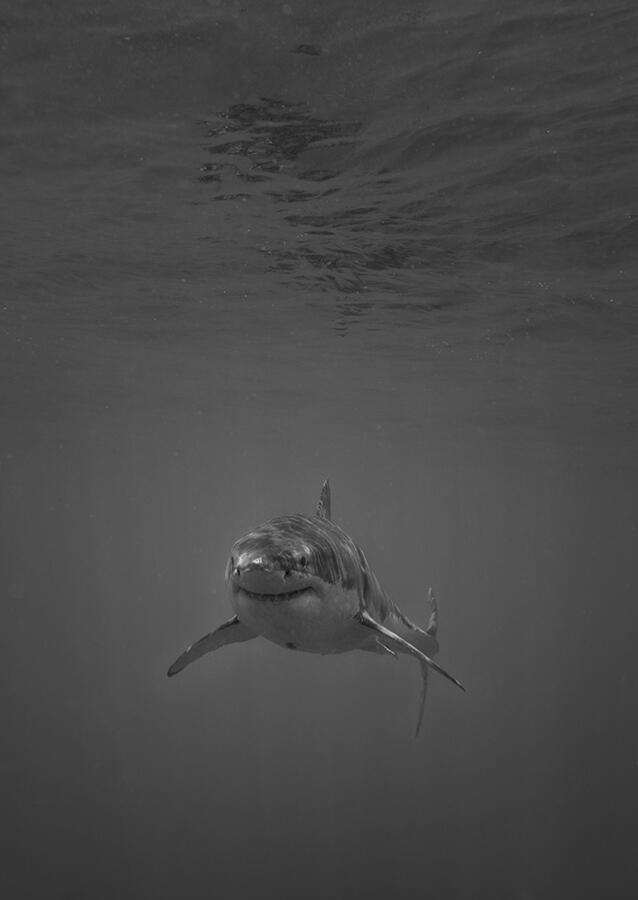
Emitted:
<point x="323" y="506"/>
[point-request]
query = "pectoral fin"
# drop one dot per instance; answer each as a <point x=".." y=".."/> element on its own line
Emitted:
<point x="391" y="639"/>
<point x="231" y="632"/>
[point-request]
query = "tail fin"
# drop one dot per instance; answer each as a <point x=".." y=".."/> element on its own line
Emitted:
<point x="426" y="642"/>
<point x="433" y="624"/>
<point x="423" y="644"/>
<point x="393" y="640"/>
<point x="424" y="692"/>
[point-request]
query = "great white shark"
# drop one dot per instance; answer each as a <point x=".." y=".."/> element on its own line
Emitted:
<point x="301" y="582"/>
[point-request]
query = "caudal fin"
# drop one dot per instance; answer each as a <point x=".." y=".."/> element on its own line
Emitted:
<point x="424" y="692"/>
<point x="395" y="642"/>
<point x="433" y="624"/>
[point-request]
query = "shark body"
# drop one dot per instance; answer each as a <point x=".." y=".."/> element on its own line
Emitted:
<point x="301" y="582"/>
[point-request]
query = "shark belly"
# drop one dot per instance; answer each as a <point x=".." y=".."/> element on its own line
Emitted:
<point x="311" y="622"/>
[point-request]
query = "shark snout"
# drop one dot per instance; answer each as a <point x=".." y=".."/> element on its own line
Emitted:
<point x="276" y="565"/>
<point x="266" y="574"/>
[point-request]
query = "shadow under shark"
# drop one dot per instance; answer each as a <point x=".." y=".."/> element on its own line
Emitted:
<point x="302" y="582"/>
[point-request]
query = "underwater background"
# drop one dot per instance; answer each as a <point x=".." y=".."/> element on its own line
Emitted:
<point x="246" y="247"/>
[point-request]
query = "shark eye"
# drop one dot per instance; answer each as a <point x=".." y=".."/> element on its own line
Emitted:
<point x="303" y="561"/>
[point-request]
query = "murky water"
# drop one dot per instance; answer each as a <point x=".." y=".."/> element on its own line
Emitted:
<point x="249" y="247"/>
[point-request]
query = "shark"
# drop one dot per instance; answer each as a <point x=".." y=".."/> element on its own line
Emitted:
<point x="301" y="582"/>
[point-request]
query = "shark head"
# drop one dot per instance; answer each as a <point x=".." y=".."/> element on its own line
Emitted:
<point x="292" y="555"/>
<point x="298" y="581"/>
<point x="265" y="566"/>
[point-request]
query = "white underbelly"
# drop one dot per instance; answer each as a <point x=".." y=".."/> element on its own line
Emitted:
<point x="316" y="624"/>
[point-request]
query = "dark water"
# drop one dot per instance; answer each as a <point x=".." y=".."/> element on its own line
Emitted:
<point x="246" y="247"/>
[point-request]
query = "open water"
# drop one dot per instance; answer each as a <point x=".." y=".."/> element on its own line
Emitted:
<point x="246" y="247"/>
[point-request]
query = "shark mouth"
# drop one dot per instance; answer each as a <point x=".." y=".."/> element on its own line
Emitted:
<point x="283" y="595"/>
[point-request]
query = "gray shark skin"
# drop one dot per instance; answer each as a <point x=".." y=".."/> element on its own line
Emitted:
<point x="301" y="582"/>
